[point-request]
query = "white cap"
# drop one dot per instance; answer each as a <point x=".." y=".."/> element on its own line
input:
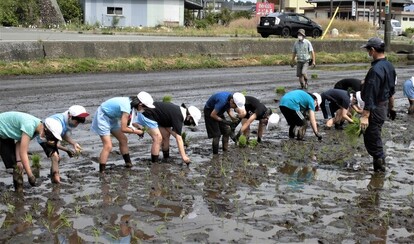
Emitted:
<point x="78" y="111"/>
<point x="273" y="120"/>
<point x="146" y="99"/>
<point x="195" y="113"/>
<point x="55" y="127"/>
<point x="361" y="103"/>
<point x="318" y="98"/>
<point x="239" y="100"/>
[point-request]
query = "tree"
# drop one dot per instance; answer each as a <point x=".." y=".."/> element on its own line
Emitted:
<point x="71" y="11"/>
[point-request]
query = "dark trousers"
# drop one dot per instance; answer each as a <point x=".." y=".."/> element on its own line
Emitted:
<point x="215" y="128"/>
<point x="372" y="135"/>
<point x="8" y="152"/>
<point x="293" y="118"/>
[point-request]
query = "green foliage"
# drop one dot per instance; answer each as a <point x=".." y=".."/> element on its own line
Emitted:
<point x="314" y="76"/>
<point x="280" y="90"/>
<point x="71" y="11"/>
<point x="201" y="24"/>
<point x="225" y="16"/>
<point x="167" y="98"/>
<point x="353" y="130"/>
<point x="35" y="160"/>
<point x="19" y="12"/>
<point x="253" y="143"/>
<point x="242" y="141"/>
<point x="241" y="14"/>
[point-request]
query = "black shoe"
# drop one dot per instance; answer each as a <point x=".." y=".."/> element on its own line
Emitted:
<point x="379" y="165"/>
<point x="292" y="131"/>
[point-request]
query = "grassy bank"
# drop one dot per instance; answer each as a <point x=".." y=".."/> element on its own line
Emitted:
<point x="136" y="64"/>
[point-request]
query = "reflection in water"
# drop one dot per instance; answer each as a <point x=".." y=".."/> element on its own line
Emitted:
<point x="298" y="175"/>
<point x="372" y="219"/>
<point x="224" y="177"/>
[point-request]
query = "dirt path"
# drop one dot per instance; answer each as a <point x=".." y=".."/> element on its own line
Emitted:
<point x="274" y="193"/>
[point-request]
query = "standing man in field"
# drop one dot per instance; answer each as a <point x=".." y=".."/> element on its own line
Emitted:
<point x="304" y="54"/>
<point x="68" y="120"/>
<point x="378" y="94"/>
<point x="216" y="123"/>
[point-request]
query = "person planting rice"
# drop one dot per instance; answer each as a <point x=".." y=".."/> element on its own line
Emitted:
<point x="335" y="107"/>
<point x="216" y="123"/>
<point x="17" y="129"/>
<point x="296" y="105"/>
<point x="408" y="89"/>
<point x="68" y="120"/>
<point x="167" y="119"/>
<point x="106" y="123"/>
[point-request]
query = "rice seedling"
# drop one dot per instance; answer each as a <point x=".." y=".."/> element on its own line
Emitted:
<point x="314" y="76"/>
<point x="186" y="139"/>
<point x="242" y="142"/>
<point x="159" y="229"/>
<point x="11" y="208"/>
<point x="253" y="143"/>
<point x="28" y="218"/>
<point x="281" y="90"/>
<point x="167" y="98"/>
<point x="353" y="130"/>
<point x="96" y="234"/>
<point x="50" y="209"/>
<point x="35" y="160"/>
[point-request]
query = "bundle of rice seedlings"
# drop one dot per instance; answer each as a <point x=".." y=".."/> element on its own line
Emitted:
<point x="242" y="142"/>
<point x="353" y="130"/>
<point x="167" y="98"/>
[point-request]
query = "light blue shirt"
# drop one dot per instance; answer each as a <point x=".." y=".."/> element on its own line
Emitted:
<point x="14" y="124"/>
<point x="114" y="107"/>
<point x="298" y="100"/>
<point x="302" y="50"/>
<point x="63" y="119"/>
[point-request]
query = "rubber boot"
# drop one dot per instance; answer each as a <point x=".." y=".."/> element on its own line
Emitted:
<point x="154" y="158"/>
<point x="379" y="165"/>
<point x="166" y="154"/>
<point x="225" y="142"/>
<point x="292" y="131"/>
<point x="127" y="159"/>
<point x="216" y="141"/>
<point x="102" y="168"/>
<point x="411" y="109"/>
<point x="17" y="179"/>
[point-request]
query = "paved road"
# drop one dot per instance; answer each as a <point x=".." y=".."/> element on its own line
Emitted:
<point x="26" y="34"/>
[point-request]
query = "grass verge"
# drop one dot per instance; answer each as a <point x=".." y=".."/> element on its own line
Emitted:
<point x="137" y="64"/>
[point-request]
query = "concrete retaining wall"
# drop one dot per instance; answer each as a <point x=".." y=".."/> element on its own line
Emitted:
<point x="24" y="51"/>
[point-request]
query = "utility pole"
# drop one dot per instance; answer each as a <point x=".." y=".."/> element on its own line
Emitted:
<point x="387" y="30"/>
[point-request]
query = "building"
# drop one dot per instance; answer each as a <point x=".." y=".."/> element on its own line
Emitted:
<point x="135" y="13"/>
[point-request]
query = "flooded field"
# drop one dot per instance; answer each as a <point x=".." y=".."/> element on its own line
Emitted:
<point x="281" y="191"/>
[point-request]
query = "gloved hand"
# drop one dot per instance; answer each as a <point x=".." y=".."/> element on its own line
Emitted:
<point x="392" y="114"/>
<point x="32" y="180"/>
<point x="142" y="134"/>
<point x="226" y="122"/>
<point x="70" y="153"/>
<point x="319" y="136"/>
<point x="292" y="64"/>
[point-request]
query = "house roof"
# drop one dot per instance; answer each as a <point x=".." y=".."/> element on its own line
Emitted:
<point x="193" y="4"/>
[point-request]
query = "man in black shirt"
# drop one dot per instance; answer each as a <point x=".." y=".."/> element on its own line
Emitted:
<point x="170" y="119"/>
<point x="378" y="94"/>
<point x="335" y="106"/>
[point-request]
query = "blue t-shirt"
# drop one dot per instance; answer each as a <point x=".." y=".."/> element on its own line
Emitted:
<point x="298" y="100"/>
<point x="14" y="124"/>
<point x="219" y="102"/>
<point x="114" y="107"/>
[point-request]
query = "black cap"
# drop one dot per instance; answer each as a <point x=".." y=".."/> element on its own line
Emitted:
<point x="374" y="42"/>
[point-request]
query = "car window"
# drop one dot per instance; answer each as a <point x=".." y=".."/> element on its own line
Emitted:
<point x="292" y="17"/>
<point x="303" y="19"/>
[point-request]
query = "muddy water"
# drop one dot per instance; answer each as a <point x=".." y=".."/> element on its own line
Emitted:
<point x="282" y="191"/>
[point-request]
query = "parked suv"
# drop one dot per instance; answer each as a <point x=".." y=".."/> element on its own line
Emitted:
<point x="287" y="24"/>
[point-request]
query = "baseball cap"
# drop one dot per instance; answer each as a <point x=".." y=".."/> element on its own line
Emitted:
<point x="195" y="113"/>
<point x="273" y="120"/>
<point x="55" y="127"/>
<point x="239" y="100"/>
<point x="374" y="42"/>
<point x="318" y="99"/>
<point x="146" y="99"/>
<point x="302" y="32"/>
<point x="78" y="111"/>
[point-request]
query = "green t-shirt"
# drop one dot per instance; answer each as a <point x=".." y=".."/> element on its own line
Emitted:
<point x="13" y="124"/>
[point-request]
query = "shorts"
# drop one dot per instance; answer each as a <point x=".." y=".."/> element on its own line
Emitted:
<point x="293" y="117"/>
<point x="8" y="152"/>
<point x="215" y="128"/>
<point x="103" y="125"/>
<point x="49" y="149"/>
<point x="328" y="109"/>
<point x="144" y="121"/>
<point x="301" y="68"/>
<point x="408" y="89"/>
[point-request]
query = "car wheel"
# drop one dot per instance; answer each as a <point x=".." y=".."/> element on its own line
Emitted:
<point x="264" y="35"/>
<point x="316" y="33"/>
<point x="285" y="32"/>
